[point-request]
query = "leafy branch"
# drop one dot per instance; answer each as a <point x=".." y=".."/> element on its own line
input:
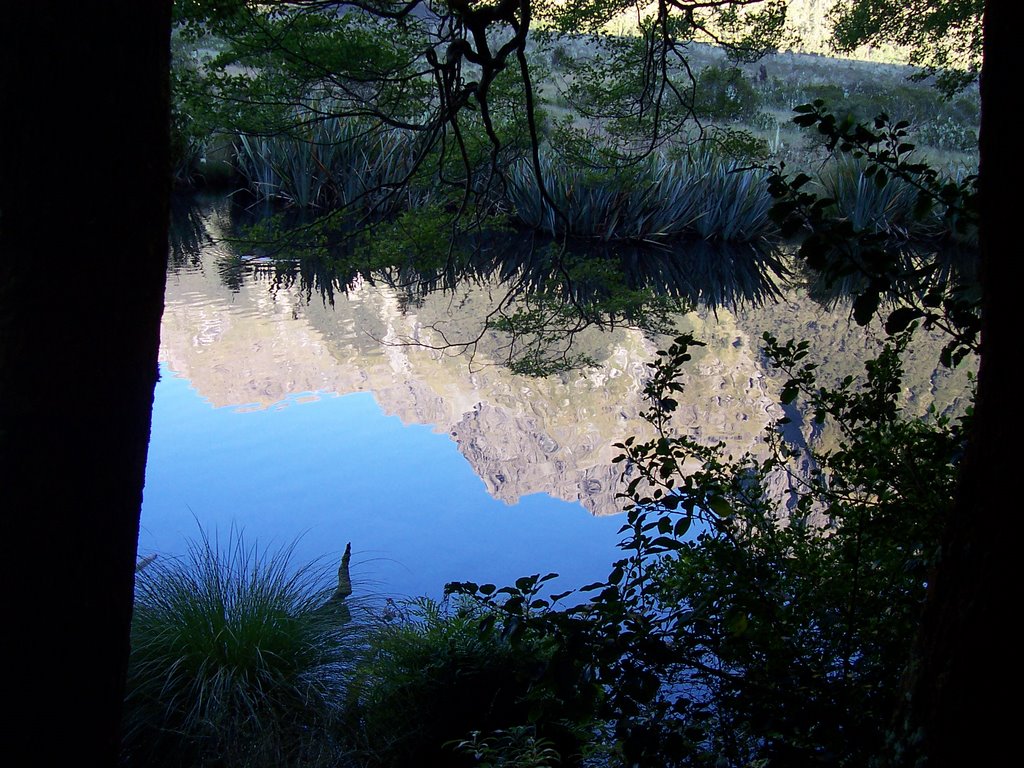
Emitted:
<point x="892" y="268"/>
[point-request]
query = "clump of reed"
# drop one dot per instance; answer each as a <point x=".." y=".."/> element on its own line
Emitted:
<point x="237" y="658"/>
<point x="870" y="204"/>
<point x="699" y="194"/>
<point x="734" y="201"/>
<point x="329" y="163"/>
<point x="888" y="206"/>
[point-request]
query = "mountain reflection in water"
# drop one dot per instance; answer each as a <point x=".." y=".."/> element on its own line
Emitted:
<point x="253" y="337"/>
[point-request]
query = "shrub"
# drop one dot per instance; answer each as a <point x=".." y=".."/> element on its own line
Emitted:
<point x="948" y="134"/>
<point x="725" y="93"/>
<point x="330" y="162"/>
<point x="237" y="659"/>
<point x="734" y="200"/>
<point x="561" y="58"/>
<point x="434" y="677"/>
<point x="513" y="748"/>
<point x="866" y="204"/>
<point x="780" y="633"/>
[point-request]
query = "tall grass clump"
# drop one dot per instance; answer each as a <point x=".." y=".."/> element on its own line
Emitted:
<point x="329" y="163"/>
<point x="734" y="201"/>
<point x="867" y="205"/>
<point x="256" y="159"/>
<point x="237" y="659"/>
<point x="701" y="194"/>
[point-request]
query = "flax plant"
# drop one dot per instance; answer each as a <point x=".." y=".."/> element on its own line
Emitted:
<point x="663" y="199"/>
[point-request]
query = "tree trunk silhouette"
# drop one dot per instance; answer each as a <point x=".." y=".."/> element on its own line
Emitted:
<point x="967" y="670"/>
<point x="83" y="246"/>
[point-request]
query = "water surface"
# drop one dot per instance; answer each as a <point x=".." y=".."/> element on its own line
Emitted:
<point x="328" y="417"/>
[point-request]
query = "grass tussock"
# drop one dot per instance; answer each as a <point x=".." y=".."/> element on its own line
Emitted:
<point x="866" y="204"/>
<point x="701" y="194"/>
<point x="329" y="163"/>
<point x="238" y="659"/>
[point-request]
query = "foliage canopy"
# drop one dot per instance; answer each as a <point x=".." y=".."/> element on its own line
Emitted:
<point x="944" y="37"/>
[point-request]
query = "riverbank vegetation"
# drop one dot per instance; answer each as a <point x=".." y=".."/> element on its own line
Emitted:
<point x="278" y="102"/>
<point x="239" y="657"/>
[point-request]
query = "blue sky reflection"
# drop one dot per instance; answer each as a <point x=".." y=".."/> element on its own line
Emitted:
<point x="336" y="469"/>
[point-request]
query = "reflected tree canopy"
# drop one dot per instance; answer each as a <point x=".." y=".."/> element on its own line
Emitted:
<point x="542" y="292"/>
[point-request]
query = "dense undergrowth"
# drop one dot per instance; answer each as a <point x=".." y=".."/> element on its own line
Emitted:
<point x="703" y="192"/>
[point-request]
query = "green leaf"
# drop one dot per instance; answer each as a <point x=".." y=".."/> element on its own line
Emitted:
<point x="526" y="583"/>
<point x="666" y="542"/>
<point x="899" y="319"/>
<point x="865" y="306"/>
<point x="720" y="506"/>
<point x="737" y="624"/>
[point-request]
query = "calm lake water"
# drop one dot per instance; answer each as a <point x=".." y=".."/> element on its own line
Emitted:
<point x="295" y="419"/>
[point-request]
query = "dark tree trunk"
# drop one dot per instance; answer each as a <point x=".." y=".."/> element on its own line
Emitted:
<point x="967" y="680"/>
<point x="83" y="245"/>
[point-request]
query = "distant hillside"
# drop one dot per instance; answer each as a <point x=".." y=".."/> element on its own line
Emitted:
<point x="811" y="29"/>
<point x="808" y="21"/>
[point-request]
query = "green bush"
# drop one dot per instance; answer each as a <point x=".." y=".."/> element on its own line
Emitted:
<point x="512" y="748"/>
<point x="433" y="678"/>
<point x="808" y="621"/>
<point x="948" y="134"/>
<point x="237" y="659"/>
<point x="561" y="58"/>
<point x="725" y="93"/>
<point x="189" y="129"/>
<point x="867" y="205"/>
<point x="331" y="162"/>
<point x="780" y="635"/>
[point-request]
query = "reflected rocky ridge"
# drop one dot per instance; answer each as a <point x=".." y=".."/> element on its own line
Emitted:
<point x="252" y="334"/>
